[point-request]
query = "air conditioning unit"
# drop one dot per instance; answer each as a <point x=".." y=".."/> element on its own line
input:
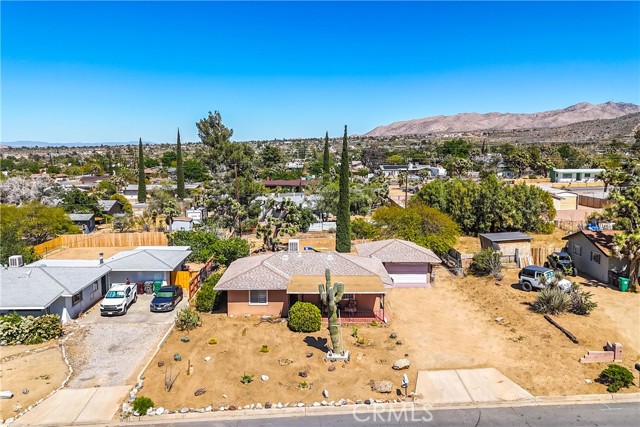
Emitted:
<point x="294" y="245"/>
<point x="16" y="261"/>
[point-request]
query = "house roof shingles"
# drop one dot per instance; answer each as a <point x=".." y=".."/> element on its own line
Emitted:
<point x="507" y="236"/>
<point x="106" y="205"/>
<point x="602" y="239"/>
<point x="400" y="251"/>
<point x="274" y="271"/>
<point x="81" y="216"/>
<point x="147" y="260"/>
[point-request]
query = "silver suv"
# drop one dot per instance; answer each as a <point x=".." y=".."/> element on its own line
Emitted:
<point x="533" y="276"/>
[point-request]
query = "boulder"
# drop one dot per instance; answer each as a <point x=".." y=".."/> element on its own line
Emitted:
<point x="264" y="377"/>
<point x="325" y="392"/>
<point x="160" y="411"/>
<point x="381" y="386"/>
<point x="331" y="368"/>
<point x="315" y="404"/>
<point x="401" y="364"/>
<point x="267" y="405"/>
<point x="208" y="358"/>
<point x="6" y="394"/>
<point x="258" y="405"/>
<point x="184" y="410"/>
<point x="208" y="408"/>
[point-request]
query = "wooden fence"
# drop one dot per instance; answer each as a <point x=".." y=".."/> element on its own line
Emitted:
<point x="198" y="278"/>
<point x="152" y="238"/>
<point x="592" y="202"/>
<point x="539" y="255"/>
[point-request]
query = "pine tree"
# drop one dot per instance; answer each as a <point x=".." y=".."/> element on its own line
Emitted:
<point x="179" y="169"/>
<point x="326" y="167"/>
<point x="343" y="226"/>
<point x="142" y="185"/>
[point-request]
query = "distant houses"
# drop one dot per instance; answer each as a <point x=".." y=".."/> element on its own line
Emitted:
<point x="574" y="175"/>
<point x="85" y="221"/>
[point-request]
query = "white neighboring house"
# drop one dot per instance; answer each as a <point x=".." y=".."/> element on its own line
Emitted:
<point x="437" y="171"/>
<point x="69" y="287"/>
<point x="294" y="165"/>
<point x="574" y="175"/>
<point x="181" y="223"/>
<point x="63" y="290"/>
<point x="394" y="170"/>
<point x="198" y="215"/>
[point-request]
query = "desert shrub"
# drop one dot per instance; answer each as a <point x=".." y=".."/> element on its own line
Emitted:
<point x="246" y="379"/>
<point x="264" y="349"/>
<point x="207" y="299"/>
<point x="142" y="404"/>
<point x="188" y="319"/>
<point x="486" y="262"/>
<point x="304" y="317"/>
<point x="551" y="301"/>
<point x="616" y="377"/>
<point x="581" y="302"/>
<point x="212" y="341"/>
<point x="354" y="332"/>
<point x="363" y="229"/>
<point x="16" y="329"/>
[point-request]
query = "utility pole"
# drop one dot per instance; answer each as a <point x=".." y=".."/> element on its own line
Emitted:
<point x="406" y="185"/>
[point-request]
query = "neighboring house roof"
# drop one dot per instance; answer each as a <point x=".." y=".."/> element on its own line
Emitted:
<point x="578" y="170"/>
<point x="286" y="182"/>
<point x="603" y="239"/>
<point x="148" y="260"/>
<point x="81" y="216"/>
<point x="395" y="250"/>
<point x="506" y="237"/>
<point x="73" y="280"/>
<point x="92" y="179"/>
<point x="106" y="205"/>
<point x="36" y="288"/>
<point x="275" y="271"/>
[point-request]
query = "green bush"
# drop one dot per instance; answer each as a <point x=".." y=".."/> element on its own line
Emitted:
<point x="304" y="317"/>
<point x="188" y="319"/>
<point x="16" y="329"/>
<point x="486" y="262"/>
<point x="551" y="301"/>
<point x="363" y="229"/>
<point x="207" y="299"/>
<point x="142" y="404"/>
<point x="616" y="377"/>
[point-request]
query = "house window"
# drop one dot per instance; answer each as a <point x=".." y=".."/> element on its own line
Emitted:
<point x="94" y="286"/>
<point x="567" y="176"/>
<point x="595" y="257"/>
<point x="75" y="299"/>
<point x="258" y="298"/>
<point x="577" y="250"/>
<point x="587" y="175"/>
<point x="348" y="296"/>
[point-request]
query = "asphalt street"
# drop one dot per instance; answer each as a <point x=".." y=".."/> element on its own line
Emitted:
<point x="603" y="415"/>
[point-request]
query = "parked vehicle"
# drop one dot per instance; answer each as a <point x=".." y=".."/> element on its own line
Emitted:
<point x="166" y="299"/>
<point x="118" y="299"/>
<point x="562" y="262"/>
<point x="535" y="277"/>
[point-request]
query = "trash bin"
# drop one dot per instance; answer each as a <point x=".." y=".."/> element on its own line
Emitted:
<point x="623" y="282"/>
<point x="156" y="286"/>
<point x="148" y="288"/>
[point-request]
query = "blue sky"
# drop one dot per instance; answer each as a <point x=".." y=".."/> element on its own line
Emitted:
<point x="95" y="72"/>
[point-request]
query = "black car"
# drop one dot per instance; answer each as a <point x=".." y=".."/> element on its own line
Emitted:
<point x="562" y="262"/>
<point x="166" y="299"/>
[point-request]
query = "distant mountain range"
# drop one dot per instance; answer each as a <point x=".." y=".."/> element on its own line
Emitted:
<point x="29" y="144"/>
<point x="475" y="122"/>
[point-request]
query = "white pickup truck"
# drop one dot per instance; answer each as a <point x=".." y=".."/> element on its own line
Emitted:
<point x="118" y="299"/>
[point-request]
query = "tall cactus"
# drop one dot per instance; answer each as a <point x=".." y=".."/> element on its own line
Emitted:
<point x="330" y="295"/>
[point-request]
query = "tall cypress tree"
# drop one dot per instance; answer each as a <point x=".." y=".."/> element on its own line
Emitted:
<point x="142" y="184"/>
<point x="179" y="169"/>
<point x="343" y="226"/>
<point x="326" y="167"/>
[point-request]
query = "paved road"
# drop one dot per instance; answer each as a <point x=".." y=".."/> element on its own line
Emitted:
<point x="610" y="415"/>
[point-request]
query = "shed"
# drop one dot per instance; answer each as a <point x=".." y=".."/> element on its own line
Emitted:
<point x="513" y="244"/>
<point x="181" y="223"/>
<point x="593" y="254"/>
<point x="110" y="207"/>
<point x="86" y="221"/>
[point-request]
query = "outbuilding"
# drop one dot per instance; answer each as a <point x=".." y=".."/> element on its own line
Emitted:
<point x="593" y="254"/>
<point x="85" y="221"/>
<point x="513" y="245"/>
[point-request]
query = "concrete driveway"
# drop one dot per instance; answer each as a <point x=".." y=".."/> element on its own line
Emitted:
<point x="110" y="351"/>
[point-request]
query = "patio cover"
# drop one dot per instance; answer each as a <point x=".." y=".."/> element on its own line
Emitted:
<point x="352" y="284"/>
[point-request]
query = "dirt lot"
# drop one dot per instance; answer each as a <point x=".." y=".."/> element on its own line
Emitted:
<point x="449" y="326"/>
<point x="469" y="244"/>
<point x="40" y="372"/>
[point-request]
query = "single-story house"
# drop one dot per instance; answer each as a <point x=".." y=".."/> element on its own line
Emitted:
<point x="296" y="185"/>
<point x="393" y="170"/>
<point x="593" y="254"/>
<point x="513" y="245"/>
<point x="408" y="264"/>
<point x="269" y="284"/>
<point x="181" y="223"/>
<point x="110" y="207"/>
<point x="89" y="181"/>
<point x="574" y="175"/>
<point x="198" y="214"/>
<point x="86" y="221"/>
<point x="65" y="291"/>
<point x="147" y="263"/>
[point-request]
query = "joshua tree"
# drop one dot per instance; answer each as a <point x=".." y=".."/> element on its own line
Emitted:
<point x="329" y="295"/>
